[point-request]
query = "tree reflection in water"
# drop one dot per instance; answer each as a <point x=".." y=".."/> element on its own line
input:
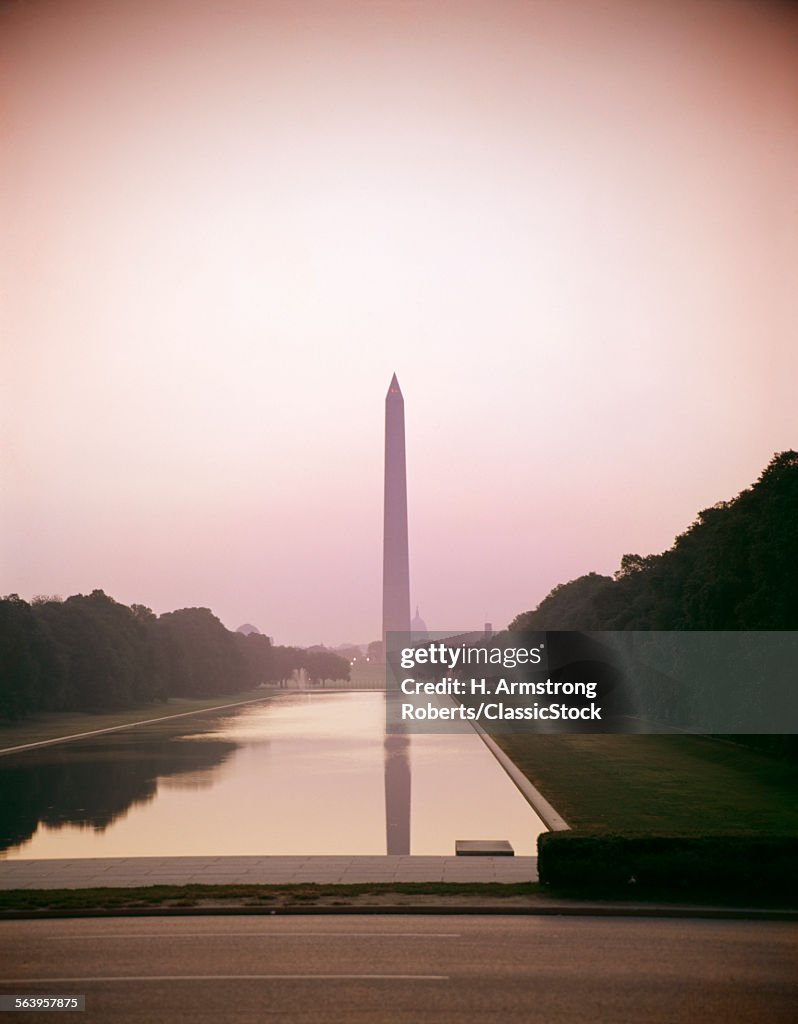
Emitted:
<point x="95" y="782"/>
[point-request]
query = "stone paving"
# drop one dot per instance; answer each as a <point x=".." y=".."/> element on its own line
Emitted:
<point x="135" y="871"/>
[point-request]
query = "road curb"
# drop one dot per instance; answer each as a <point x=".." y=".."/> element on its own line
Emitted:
<point x="587" y="910"/>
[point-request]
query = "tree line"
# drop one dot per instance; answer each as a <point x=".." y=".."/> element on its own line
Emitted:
<point x="734" y="568"/>
<point x="91" y="653"/>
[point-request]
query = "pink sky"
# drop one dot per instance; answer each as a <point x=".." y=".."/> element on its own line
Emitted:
<point x="570" y="228"/>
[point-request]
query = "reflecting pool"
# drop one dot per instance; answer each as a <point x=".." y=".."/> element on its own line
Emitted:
<point x="302" y="773"/>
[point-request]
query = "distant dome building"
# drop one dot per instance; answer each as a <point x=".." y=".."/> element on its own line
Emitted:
<point x="418" y="626"/>
<point x="248" y="628"/>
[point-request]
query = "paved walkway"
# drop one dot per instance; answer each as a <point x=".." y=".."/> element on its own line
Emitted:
<point x="134" y="871"/>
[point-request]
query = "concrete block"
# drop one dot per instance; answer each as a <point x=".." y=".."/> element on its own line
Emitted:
<point x="483" y="848"/>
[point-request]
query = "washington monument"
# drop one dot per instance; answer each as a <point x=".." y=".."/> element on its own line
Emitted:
<point x="395" y="564"/>
<point x="395" y="613"/>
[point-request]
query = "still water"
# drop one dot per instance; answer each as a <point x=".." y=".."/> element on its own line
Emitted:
<point x="303" y="773"/>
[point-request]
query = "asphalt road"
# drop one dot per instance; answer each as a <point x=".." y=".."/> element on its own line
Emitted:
<point x="546" y="970"/>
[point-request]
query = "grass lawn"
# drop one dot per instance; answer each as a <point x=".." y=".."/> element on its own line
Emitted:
<point x="433" y="896"/>
<point x="68" y="723"/>
<point x="252" y="895"/>
<point x="667" y="785"/>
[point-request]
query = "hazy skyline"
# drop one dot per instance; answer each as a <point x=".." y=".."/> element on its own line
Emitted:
<point x="570" y="228"/>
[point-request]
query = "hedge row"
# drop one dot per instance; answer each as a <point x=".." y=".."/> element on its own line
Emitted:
<point x="725" y="865"/>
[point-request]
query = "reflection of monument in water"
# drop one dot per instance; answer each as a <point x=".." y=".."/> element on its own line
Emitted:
<point x="395" y="611"/>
